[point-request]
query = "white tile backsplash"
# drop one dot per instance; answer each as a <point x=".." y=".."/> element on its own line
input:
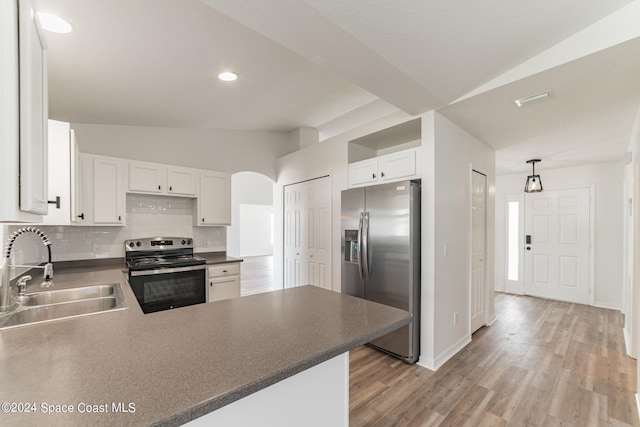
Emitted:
<point x="147" y="216"/>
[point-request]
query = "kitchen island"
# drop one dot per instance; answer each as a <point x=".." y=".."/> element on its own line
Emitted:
<point x="168" y="368"/>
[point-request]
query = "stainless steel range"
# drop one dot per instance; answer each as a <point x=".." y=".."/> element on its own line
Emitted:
<point x="164" y="273"/>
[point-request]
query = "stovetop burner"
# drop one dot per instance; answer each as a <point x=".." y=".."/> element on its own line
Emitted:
<point x="160" y="252"/>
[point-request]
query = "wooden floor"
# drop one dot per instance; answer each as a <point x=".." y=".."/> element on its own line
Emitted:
<point x="543" y="363"/>
<point x="257" y="275"/>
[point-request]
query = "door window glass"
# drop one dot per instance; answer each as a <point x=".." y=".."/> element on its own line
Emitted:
<point x="513" y="246"/>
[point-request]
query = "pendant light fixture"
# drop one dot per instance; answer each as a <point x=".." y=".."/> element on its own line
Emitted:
<point x="534" y="183"/>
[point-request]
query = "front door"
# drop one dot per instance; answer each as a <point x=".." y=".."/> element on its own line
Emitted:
<point x="557" y="245"/>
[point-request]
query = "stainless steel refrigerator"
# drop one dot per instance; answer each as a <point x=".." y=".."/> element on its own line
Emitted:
<point x="381" y="256"/>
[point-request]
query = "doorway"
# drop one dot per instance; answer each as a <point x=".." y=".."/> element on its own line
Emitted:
<point x="251" y="233"/>
<point x="307" y="233"/>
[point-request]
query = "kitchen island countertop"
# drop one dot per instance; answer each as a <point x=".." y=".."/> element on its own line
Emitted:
<point x="169" y="367"/>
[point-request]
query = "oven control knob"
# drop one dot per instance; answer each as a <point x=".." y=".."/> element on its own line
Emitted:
<point x="138" y="244"/>
<point x="131" y="244"/>
<point x="189" y="242"/>
<point x="184" y="242"/>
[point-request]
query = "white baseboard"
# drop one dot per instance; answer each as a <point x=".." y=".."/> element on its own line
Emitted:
<point x="442" y="358"/>
<point x="607" y="305"/>
<point x="638" y="403"/>
<point x="627" y="343"/>
<point x="492" y="320"/>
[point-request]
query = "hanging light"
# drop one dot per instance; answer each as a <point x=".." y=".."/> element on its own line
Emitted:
<point x="534" y="183"/>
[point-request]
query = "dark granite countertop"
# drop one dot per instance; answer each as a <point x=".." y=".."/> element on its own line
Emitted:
<point x="179" y="364"/>
<point x="217" y="257"/>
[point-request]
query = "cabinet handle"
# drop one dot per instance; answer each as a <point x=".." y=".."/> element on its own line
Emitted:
<point x="81" y="216"/>
<point x="224" y="271"/>
<point x="55" y="202"/>
<point x="202" y="219"/>
<point x="373" y="175"/>
<point x="170" y="188"/>
<point x="382" y="174"/>
<point x="119" y="218"/>
<point x="159" y="187"/>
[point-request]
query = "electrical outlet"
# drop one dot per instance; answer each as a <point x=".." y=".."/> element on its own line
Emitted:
<point x="455" y="318"/>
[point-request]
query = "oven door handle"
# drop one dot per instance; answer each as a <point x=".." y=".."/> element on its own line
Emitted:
<point x="166" y="270"/>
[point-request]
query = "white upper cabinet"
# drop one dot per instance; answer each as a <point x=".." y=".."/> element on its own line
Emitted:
<point x="33" y="112"/>
<point x="214" y="199"/>
<point x="59" y="135"/>
<point x="181" y="181"/>
<point x="103" y="194"/>
<point x="145" y="177"/>
<point x="18" y="126"/>
<point x="388" y="168"/>
<point x="387" y="155"/>
<point x="77" y="216"/>
<point x="64" y="176"/>
<point x="363" y="172"/>
<point x="153" y="178"/>
<point x="396" y="166"/>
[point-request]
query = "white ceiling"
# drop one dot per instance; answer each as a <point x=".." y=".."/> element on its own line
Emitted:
<point x="333" y="64"/>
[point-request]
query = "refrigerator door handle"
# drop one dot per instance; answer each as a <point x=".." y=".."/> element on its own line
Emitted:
<point x="359" y="252"/>
<point x="365" y="246"/>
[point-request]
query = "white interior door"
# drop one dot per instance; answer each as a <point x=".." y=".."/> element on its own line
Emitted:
<point x="478" y="252"/>
<point x="307" y="228"/>
<point x="557" y="253"/>
<point x="294" y="208"/>
<point x="319" y="232"/>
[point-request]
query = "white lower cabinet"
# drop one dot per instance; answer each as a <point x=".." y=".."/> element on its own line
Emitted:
<point x="103" y="195"/>
<point x="224" y="281"/>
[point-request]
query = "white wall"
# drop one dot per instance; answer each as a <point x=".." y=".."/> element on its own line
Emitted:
<point x="607" y="179"/>
<point x="221" y="150"/>
<point x="448" y="156"/>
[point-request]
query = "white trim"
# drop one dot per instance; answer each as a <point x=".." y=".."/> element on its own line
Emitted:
<point x="442" y="358"/>
<point x="592" y="244"/>
<point x="607" y="305"/>
<point x="638" y="402"/>
<point x="627" y="342"/>
<point x="453" y="349"/>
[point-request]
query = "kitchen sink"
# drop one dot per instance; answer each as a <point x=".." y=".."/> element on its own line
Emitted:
<point x="70" y="295"/>
<point x="64" y="303"/>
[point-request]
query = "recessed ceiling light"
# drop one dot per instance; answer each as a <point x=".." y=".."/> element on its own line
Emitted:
<point x="533" y="98"/>
<point x="54" y="23"/>
<point x="228" y="76"/>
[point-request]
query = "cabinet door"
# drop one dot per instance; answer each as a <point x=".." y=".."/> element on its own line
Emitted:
<point x="60" y="166"/>
<point x="214" y="199"/>
<point x="108" y="192"/>
<point x="181" y="181"/>
<point x="224" y="288"/>
<point x="33" y="112"/>
<point x="363" y="172"/>
<point x="76" y="208"/>
<point x="145" y="177"/>
<point x="398" y="165"/>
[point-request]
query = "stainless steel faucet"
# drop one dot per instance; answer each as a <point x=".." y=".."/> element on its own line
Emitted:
<point x="5" y="292"/>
